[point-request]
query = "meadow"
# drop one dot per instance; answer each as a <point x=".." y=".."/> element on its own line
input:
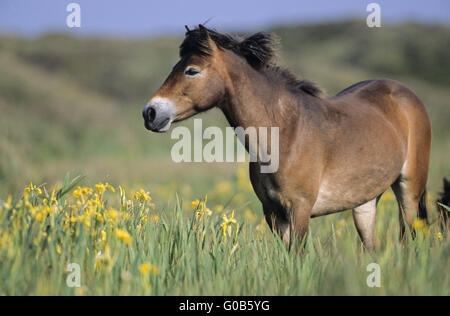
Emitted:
<point x="124" y="244"/>
<point x="139" y="224"/>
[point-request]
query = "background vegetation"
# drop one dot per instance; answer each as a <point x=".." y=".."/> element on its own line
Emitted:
<point x="74" y="105"/>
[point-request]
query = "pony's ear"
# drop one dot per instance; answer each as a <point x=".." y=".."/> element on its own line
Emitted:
<point x="446" y="185"/>
<point x="259" y="49"/>
<point x="202" y="28"/>
<point x="207" y="37"/>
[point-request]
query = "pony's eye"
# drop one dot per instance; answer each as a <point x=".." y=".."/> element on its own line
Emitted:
<point x="190" y="71"/>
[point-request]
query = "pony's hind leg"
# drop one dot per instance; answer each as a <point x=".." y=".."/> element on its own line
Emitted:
<point x="409" y="188"/>
<point x="409" y="192"/>
<point x="364" y="218"/>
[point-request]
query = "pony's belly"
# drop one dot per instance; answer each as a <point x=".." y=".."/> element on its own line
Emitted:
<point x="343" y="195"/>
<point x="328" y="203"/>
<point x="356" y="179"/>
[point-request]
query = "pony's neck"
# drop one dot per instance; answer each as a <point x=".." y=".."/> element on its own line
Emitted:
<point x="254" y="101"/>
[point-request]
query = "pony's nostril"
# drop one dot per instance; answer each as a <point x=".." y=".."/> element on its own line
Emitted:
<point x="151" y="114"/>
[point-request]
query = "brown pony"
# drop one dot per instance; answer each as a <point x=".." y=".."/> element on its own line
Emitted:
<point x="335" y="154"/>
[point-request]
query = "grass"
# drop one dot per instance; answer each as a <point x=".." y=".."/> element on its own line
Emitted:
<point x="74" y="104"/>
<point x="125" y="244"/>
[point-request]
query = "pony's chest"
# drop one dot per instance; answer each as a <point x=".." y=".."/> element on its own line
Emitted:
<point x="266" y="187"/>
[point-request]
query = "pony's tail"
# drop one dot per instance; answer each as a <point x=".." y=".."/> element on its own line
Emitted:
<point x="444" y="200"/>
<point x="443" y="217"/>
<point x="423" y="213"/>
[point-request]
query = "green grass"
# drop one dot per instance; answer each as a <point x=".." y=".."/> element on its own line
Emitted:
<point x="188" y="253"/>
<point x="74" y="105"/>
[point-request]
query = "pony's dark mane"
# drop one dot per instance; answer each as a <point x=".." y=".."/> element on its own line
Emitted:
<point x="259" y="50"/>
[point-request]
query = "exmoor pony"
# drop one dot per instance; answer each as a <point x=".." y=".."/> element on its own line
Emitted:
<point x="335" y="153"/>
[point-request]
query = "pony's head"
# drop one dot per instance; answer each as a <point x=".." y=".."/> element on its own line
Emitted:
<point x="203" y="76"/>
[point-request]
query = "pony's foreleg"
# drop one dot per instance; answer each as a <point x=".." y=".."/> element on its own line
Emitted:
<point x="277" y="223"/>
<point x="290" y="218"/>
<point x="300" y="215"/>
<point x="364" y="218"/>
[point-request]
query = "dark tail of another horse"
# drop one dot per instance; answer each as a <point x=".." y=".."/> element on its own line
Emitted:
<point x="423" y="213"/>
<point x="444" y="200"/>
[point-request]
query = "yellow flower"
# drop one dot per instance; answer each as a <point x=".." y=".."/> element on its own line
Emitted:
<point x="32" y="188"/>
<point x="112" y="214"/>
<point x="59" y="249"/>
<point x="103" y="233"/>
<point x="206" y="211"/>
<point x="8" y="203"/>
<point x="156" y="218"/>
<point x="110" y="187"/>
<point x="102" y="187"/>
<point x="419" y="224"/>
<point x="439" y="236"/>
<point x="77" y="193"/>
<point x="124" y="236"/>
<point x="195" y="203"/>
<point x="39" y="217"/>
<point x="146" y="268"/>
<point x="201" y="207"/>
<point x="142" y="196"/>
<point x="227" y="222"/>
<point x="82" y="193"/>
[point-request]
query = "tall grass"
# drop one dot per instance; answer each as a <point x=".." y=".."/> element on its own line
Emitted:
<point x="125" y="245"/>
<point x="74" y="104"/>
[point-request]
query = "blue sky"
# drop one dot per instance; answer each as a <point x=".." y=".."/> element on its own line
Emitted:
<point x="149" y="17"/>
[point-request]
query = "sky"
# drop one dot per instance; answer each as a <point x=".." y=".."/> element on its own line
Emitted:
<point x="151" y="18"/>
